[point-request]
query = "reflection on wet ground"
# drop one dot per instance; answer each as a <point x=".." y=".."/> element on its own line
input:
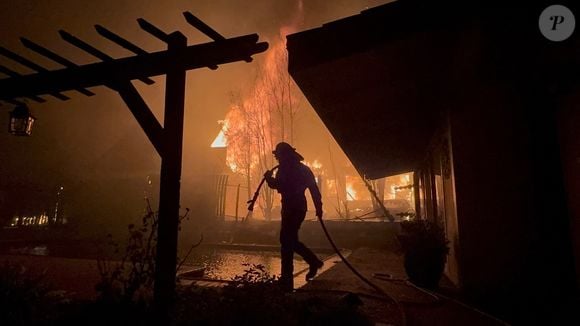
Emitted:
<point x="221" y="263"/>
<point x="224" y="264"/>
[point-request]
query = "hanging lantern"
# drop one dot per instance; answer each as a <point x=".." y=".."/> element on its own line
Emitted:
<point x="21" y="121"/>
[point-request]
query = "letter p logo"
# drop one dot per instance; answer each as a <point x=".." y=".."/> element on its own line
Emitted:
<point x="557" y="23"/>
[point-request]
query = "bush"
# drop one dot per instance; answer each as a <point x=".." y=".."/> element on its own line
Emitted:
<point x="25" y="296"/>
<point x="423" y="235"/>
<point x="254" y="298"/>
<point x="131" y="280"/>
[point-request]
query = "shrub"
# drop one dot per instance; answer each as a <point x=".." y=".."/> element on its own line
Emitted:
<point x="254" y="298"/>
<point x="25" y="296"/>
<point x="131" y="280"/>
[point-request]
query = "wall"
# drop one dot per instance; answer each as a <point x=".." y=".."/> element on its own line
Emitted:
<point x="515" y="256"/>
<point x="569" y="125"/>
<point x="438" y="190"/>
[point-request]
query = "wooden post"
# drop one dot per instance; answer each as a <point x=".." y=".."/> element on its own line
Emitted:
<point x="417" y="194"/>
<point x="169" y="192"/>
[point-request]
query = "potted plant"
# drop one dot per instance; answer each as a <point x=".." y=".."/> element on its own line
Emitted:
<point x="425" y="247"/>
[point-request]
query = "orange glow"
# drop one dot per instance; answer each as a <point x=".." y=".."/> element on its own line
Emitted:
<point x="315" y="165"/>
<point x="394" y="187"/>
<point x="350" y="192"/>
<point x="331" y="186"/>
<point x="262" y="116"/>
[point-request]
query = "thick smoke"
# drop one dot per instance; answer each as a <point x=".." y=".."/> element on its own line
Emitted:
<point x="94" y="147"/>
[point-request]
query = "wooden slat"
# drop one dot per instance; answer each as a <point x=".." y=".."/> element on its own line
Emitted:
<point x="54" y="57"/>
<point x="153" y="30"/>
<point x="202" y="27"/>
<point x="135" y="67"/>
<point x="27" y="63"/>
<point x="93" y="51"/>
<point x="119" y="40"/>
<point x="12" y="73"/>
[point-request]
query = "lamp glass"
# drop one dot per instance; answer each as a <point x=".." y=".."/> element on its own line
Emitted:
<point x="21" y="121"/>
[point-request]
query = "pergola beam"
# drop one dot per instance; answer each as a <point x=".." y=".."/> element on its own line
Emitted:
<point x="54" y="57"/>
<point x="93" y="51"/>
<point x="27" y="63"/>
<point x="130" y="68"/>
<point x="142" y="114"/>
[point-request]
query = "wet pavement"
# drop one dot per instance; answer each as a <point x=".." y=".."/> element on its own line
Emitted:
<point x="78" y="277"/>
<point x="404" y="303"/>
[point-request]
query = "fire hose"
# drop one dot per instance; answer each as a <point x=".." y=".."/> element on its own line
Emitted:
<point x="251" y="203"/>
<point x="358" y="274"/>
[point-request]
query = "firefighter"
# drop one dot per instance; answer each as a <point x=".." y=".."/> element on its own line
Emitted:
<point x="291" y="181"/>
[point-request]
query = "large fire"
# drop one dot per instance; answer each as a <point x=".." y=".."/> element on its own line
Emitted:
<point x="260" y="117"/>
<point x="264" y="115"/>
<point x="350" y="192"/>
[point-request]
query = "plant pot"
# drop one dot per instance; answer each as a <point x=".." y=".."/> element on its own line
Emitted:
<point x="425" y="267"/>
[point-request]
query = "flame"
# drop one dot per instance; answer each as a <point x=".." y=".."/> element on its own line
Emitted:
<point x="262" y="116"/>
<point x="350" y="192"/>
<point x="315" y="165"/>
<point x="331" y="186"/>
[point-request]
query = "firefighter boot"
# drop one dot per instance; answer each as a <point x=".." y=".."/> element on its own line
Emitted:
<point x="313" y="269"/>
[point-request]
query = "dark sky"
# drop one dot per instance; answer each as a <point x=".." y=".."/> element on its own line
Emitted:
<point x="92" y="137"/>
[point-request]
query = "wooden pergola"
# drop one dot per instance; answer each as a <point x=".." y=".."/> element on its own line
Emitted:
<point x="118" y="74"/>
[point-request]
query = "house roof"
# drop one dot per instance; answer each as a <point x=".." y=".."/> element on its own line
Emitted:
<point x="380" y="80"/>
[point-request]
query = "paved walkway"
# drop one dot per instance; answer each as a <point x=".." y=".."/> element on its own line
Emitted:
<point x="405" y="304"/>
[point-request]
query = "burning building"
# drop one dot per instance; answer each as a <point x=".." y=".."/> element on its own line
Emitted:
<point x="271" y="110"/>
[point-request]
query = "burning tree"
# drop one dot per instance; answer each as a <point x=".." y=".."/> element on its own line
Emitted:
<point x="283" y="96"/>
<point x="259" y="119"/>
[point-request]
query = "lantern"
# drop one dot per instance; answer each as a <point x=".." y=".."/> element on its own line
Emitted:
<point x="21" y="121"/>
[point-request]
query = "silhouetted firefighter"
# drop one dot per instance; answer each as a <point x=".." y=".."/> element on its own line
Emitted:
<point x="291" y="181"/>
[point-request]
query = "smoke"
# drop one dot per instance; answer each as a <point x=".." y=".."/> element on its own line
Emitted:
<point x="94" y="147"/>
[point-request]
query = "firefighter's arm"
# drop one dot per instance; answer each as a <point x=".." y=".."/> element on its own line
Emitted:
<point x="315" y="193"/>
